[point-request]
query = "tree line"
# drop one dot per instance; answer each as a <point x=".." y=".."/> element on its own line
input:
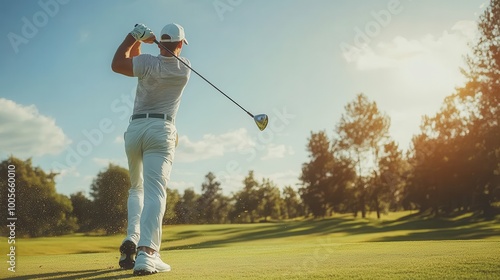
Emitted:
<point x="44" y="212"/>
<point x="453" y="165"/>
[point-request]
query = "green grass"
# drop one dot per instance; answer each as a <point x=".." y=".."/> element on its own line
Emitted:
<point x="400" y="246"/>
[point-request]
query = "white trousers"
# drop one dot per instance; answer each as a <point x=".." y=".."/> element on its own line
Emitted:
<point x="150" y="148"/>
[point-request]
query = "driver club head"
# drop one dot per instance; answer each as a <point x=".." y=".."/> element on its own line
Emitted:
<point x="261" y="121"/>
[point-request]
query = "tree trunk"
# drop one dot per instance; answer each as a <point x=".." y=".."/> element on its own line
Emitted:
<point x="378" y="211"/>
<point x="363" y="208"/>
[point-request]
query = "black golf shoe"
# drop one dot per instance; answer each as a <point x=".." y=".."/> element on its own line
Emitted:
<point x="128" y="251"/>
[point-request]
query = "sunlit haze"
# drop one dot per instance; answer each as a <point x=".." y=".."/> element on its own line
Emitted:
<point x="300" y="62"/>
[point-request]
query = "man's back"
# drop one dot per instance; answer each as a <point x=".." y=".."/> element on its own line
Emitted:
<point x="161" y="83"/>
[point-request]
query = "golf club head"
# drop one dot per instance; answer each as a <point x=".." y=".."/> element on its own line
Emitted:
<point x="261" y="121"/>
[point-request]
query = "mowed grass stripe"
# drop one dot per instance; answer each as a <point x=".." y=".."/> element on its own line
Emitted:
<point x="400" y="246"/>
<point x="299" y="260"/>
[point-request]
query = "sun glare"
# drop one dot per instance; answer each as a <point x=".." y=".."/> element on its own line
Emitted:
<point x="427" y="75"/>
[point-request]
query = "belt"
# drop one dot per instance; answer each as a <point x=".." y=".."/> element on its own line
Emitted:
<point x="156" y="116"/>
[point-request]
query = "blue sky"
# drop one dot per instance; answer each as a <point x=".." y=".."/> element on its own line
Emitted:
<point x="300" y="62"/>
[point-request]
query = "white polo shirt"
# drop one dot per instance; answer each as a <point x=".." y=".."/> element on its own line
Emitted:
<point x="160" y="85"/>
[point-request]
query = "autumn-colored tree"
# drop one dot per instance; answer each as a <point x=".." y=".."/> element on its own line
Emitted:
<point x="455" y="159"/>
<point x="482" y="90"/>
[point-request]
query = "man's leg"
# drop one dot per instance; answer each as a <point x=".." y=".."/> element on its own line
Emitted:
<point x="135" y="201"/>
<point x="159" y="148"/>
<point x="157" y="173"/>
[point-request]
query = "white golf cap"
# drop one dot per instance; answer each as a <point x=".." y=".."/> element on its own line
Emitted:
<point x="175" y="31"/>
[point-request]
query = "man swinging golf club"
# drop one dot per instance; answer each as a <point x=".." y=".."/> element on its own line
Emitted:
<point x="150" y="139"/>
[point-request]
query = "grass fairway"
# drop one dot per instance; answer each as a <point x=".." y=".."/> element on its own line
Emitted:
<point x="401" y="246"/>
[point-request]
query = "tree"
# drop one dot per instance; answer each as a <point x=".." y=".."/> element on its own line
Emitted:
<point x="110" y="192"/>
<point x="388" y="189"/>
<point x="270" y="203"/>
<point x="247" y="200"/>
<point x="327" y="178"/>
<point x="83" y="210"/>
<point x="291" y="203"/>
<point x="482" y="88"/>
<point x="212" y="205"/>
<point x="445" y="172"/>
<point x="173" y="198"/>
<point x="316" y="174"/>
<point x="340" y="194"/>
<point x="421" y="186"/>
<point x="186" y="210"/>
<point x="30" y="195"/>
<point x="455" y="158"/>
<point x="362" y="131"/>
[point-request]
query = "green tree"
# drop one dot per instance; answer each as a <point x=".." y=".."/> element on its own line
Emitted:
<point x="39" y="209"/>
<point x="173" y="199"/>
<point x="83" y="210"/>
<point x="247" y="200"/>
<point x="110" y="192"/>
<point x="187" y="210"/>
<point x="316" y="174"/>
<point x="292" y="206"/>
<point x="270" y="203"/>
<point x="362" y="131"/>
<point x="342" y="182"/>
<point x="212" y="205"/>
<point x="388" y="189"/>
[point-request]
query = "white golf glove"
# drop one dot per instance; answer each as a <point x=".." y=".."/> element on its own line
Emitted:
<point x="141" y="32"/>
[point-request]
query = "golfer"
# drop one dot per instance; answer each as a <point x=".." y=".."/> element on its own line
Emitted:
<point x="150" y="140"/>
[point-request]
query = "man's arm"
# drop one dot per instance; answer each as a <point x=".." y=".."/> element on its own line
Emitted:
<point x="122" y="61"/>
<point x="136" y="49"/>
<point x="129" y="48"/>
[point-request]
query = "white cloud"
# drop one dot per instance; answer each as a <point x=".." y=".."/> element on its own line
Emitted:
<point x="26" y="132"/>
<point x="277" y="151"/>
<point x="212" y="146"/>
<point x="467" y="28"/>
<point x="282" y="178"/>
<point x="68" y="172"/>
<point x="70" y="181"/>
<point x="401" y="52"/>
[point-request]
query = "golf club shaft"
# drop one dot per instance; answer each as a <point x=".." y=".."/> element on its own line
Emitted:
<point x="163" y="47"/>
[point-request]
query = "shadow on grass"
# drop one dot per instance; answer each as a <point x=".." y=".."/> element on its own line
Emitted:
<point x="420" y="227"/>
<point x="80" y="274"/>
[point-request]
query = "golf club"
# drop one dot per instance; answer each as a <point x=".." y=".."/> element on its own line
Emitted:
<point x="261" y="120"/>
